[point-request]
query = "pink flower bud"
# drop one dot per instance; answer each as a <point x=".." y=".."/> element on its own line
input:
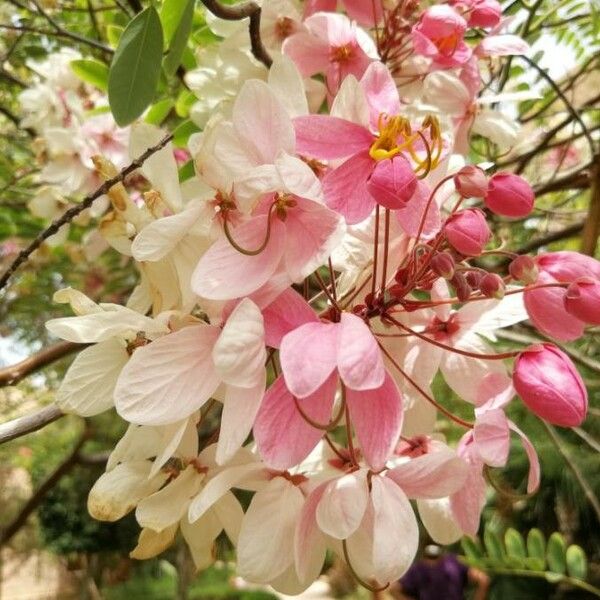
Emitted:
<point x="567" y="266"/>
<point x="442" y="264"/>
<point x="524" y="269"/>
<point x="509" y="195"/>
<point x="582" y="300"/>
<point x="392" y="183"/>
<point x="471" y="182"/>
<point x="474" y="278"/>
<point x="485" y="13"/>
<point x="492" y="286"/>
<point x="550" y="385"/>
<point x="468" y="232"/>
<point x="463" y="290"/>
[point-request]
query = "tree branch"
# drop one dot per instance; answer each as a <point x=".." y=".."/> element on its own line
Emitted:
<point x="73" y="212"/>
<point x="237" y="13"/>
<point x="12" y="374"/>
<point x="591" y="229"/>
<point x="11" y="529"/>
<point x="29" y="423"/>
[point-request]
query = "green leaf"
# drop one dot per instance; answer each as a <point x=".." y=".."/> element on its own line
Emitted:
<point x="187" y="171"/>
<point x="184" y="102"/>
<point x="577" y="562"/>
<point x="178" y="40"/>
<point x="536" y="546"/>
<point x="556" y="553"/>
<point x="171" y="14"/>
<point x="493" y="545"/>
<point x="113" y="34"/>
<point x="515" y="544"/>
<point x="182" y="133"/>
<point x="471" y="548"/>
<point x="91" y="71"/>
<point x="158" y="112"/>
<point x="135" y="68"/>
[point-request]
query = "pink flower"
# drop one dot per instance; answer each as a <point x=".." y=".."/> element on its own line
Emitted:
<point x="481" y="13"/>
<point x="376" y="169"/>
<point x="362" y="11"/>
<point x="509" y="195"/>
<point x="468" y="232"/>
<point x="332" y="45"/>
<point x="471" y="182"/>
<point x="545" y="306"/>
<point x="439" y="36"/>
<point x="582" y="300"/>
<point x="550" y="385"/>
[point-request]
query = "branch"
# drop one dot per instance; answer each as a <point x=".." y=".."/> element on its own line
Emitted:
<point x="11" y="529"/>
<point x="591" y="229"/>
<point x="73" y="212"/>
<point x="577" y="179"/>
<point x="29" y="423"/>
<point x="237" y="13"/>
<point x="12" y="374"/>
<point x="555" y="236"/>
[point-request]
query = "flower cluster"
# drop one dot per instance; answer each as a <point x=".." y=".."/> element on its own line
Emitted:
<point x="307" y="285"/>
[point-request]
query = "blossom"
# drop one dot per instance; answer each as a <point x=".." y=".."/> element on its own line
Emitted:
<point x="582" y="300"/>
<point x="468" y="231"/>
<point x="509" y="195"/>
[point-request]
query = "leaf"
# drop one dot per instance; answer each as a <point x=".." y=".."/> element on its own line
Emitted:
<point x="135" y="68"/>
<point x="536" y="545"/>
<point x="471" y="548"/>
<point x="91" y="71"/>
<point x="176" y="38"/>
<point x="577" y="562"/>
<point x="158" y="112"/>
<point x="493" y="545"/>
<point x="184" y="102"/>
<point x="182" y="133"/>
<point x="187" y="171"/>
<point x="515" y="544"/>
<point x="556" y="553"/>
<point x="113" y="35"/>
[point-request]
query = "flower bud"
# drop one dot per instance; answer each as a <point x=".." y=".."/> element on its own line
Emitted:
<point x="485" y="13"/>
<point x="509" y="195"/>
<point x="463" y="290"/>
<point x="492" y="286"/>
<point x="524" y="269"/>
<point x="550" y="386"/>
<point x="471" y="182"/>
<point x="474" y="278"/>
<point x="392" y="183"/>
<point x="442" y="264"/>
<point x="468" y="232"/>
<point x="582" y="300"/>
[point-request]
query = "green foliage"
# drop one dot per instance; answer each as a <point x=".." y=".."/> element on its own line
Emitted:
<point x="176" y="17"/>
<point x="135" y="68"/>
<point x="91" y="71"/>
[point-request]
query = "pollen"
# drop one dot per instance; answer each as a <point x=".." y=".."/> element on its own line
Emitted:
<point x="389" y="140"/>
<point x="342" y="54"/>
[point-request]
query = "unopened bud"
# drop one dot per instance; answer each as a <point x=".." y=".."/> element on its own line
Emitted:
<point x="492" y="286"/>
<point x="468" y="232"/>
<point x="463" y="290"/>
<point x="474" y="279"/>
<point x="582" y="300"/>
<point x="442" y="264"/>
<point x="471" y="182"/>
<point x="524" y="269"/>
<point x="509" y="195"/>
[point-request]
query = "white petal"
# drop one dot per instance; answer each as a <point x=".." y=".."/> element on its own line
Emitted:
<point x="180" y="437"/>
<point x="168" y="379"/>
<point x="343" y="505"/>
<point x="438" y="520"/>
<point x="239" y="354"/>
<point x="286" y="82"/>
<point x="230" y="513"/>
<point x="266" y="542"/>
<point x="88" y="386"/>
<point x="200" y="537"/>
<point x="118" y="491"/>
<point x="151" y="543"/>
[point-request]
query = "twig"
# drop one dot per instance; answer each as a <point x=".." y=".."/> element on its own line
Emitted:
<point x="29" y="423"/>
<point x="73" y="212"/>
<point x="11" y="529"/>
<point x="591" y="229"/>
<point x="238" y="12"/>
<point x="12" y="374"/>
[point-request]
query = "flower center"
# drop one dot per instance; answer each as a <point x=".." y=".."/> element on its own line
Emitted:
<point x="447" y="45"/>
<point x="284" y="27"/>
<point x="342" y="54"/>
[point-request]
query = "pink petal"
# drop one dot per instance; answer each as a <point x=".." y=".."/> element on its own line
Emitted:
<point x="313" y="232"/>
<point x="501" y="45"/>
<point x="328" y="138"/>
<point x="283" y="437"/>
<point x="313" y="6"/>
<point x="239" y="411"/>
<point x="377" y="419"/>
<point x="533" y="480"/>
<point x="308" y="356"/>
<point x="309" y="53"/>
<point x="364" y="12"/>
<point x="393" y="183"/>
<point x="433" y="475"/>
<point x="380" y="90"/>
<point x="409" y="217"/>
<point x="546" y="310"/>
<point x="359" y="358"/>
<point x="492" y="437"/>
<point x="346" y="188"/>
<point x="309" y="542"/>
<point x="468" y="502"/>
<point x="224" y="273"/>
<point x="288" y="311"/>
